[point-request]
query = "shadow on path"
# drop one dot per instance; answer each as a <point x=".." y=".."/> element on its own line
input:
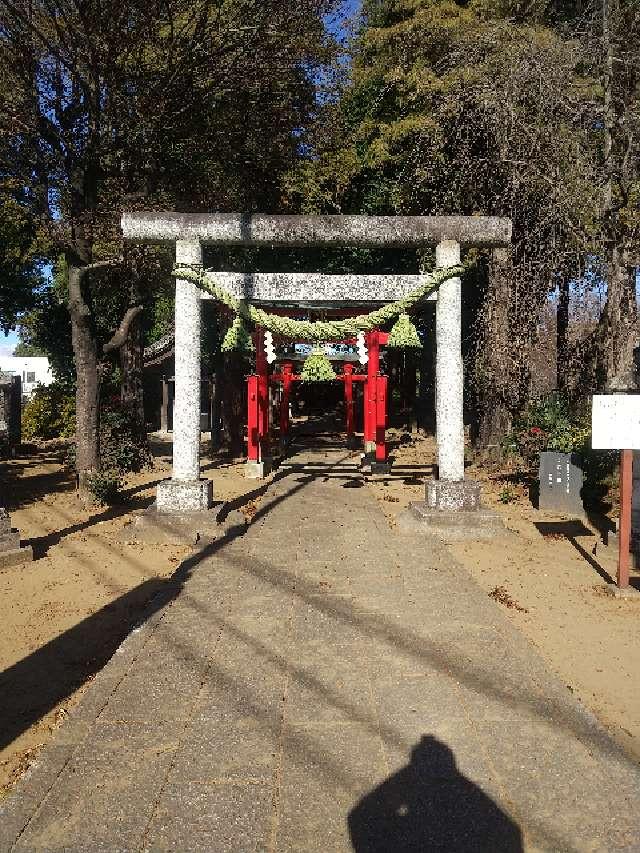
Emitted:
<point x="34" y="685"/>
<point x="430" y="805"/>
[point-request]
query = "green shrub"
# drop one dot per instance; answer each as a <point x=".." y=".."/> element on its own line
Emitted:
<point x="105" y="486"/>
<point x="548" y="423"/>
<point x="123" y="450"/>
<point x="123" y="445"/>
<point x="507" y="495"/>
<point x="49" y="413"/>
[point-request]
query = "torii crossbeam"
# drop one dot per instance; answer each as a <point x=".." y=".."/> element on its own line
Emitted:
<point x="187" y="491"/>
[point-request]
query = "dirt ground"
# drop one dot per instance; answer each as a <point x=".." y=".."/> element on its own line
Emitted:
<point x="64" y="615"/>
<point x="550" y="574"/>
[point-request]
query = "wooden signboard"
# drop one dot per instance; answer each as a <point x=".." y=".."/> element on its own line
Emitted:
<point x="615" y="425"/>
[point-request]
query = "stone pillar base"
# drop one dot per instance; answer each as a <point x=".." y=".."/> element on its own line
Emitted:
<point x="628" y="592"/>
<point x="453" y="495"/>
<point x="16" y="556"/>
<point x="452" y="511"/>
<point x="370" y="465"/>
<point x="180" y="496"/>
<point x="258" y="470"/>
<point x="451" y="525"/>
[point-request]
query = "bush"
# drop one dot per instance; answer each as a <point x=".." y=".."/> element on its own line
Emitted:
<point x="105" y="486"/>
<point x="123" y="444"/>
<point x="49" y="413"/>
<point x="123" y="450"/>
<point x="549" y="424"/>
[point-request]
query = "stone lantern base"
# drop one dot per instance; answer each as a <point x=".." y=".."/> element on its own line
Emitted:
<point x="11" y="552"/>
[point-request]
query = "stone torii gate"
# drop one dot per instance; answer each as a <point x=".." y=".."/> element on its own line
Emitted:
<point x="186" y="491"/>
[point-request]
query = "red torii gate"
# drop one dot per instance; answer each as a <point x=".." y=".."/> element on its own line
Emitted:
<point x="375" y="400"/>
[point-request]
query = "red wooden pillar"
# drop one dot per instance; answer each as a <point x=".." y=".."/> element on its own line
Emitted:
<point x="624" y="533"/>
<point x="348" y="401"/>
<point x="262" y="371"/>
<point x="370" y="390"/>
<point x="253" y="437"/>
<point x="381" y="418"/>
<point x="287" y="372"/>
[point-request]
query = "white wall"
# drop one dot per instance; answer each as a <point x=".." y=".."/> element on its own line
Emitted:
<point x="34" y="370"/>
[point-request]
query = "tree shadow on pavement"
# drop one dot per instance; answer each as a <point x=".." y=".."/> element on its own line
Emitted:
<point x="430" y="805"/>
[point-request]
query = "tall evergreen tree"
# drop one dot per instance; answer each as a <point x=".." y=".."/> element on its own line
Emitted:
<point x="493" y="107"/>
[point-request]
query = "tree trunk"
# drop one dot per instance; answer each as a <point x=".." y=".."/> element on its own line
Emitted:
<point x="87" y="382"/>
<point x="426" y="407"/>
<point x="617" y="329"/>
<point x="562" y="338"/>
<point x="131" y="363"/>
<point x="496" y="393"/>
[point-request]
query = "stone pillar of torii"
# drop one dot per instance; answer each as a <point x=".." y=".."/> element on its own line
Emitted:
<point x="187" y="491"/>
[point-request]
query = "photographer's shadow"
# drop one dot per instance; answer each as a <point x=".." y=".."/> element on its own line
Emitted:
<point x="430" y="806"/>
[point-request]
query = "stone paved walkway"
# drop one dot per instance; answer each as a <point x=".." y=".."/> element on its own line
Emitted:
<point x="324" y="683"/>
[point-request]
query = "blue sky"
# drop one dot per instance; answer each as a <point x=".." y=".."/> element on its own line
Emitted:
<point x="7" y="343"/>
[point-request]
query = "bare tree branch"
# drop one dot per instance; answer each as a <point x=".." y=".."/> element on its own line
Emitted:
<point x="122" y="333"/>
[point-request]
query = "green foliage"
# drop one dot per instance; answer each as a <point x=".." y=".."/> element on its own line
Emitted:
<point x="489" y="107"/>
<point x="49" y="413"/>
<point x="122" y="449"/>
<point x="317" y="368"/>
<point x="105" y="486"/>
<point x="551" y="423"/>
<point x="28" y="350"/>
<point x="46" y="328"/>
<point x="160" y="317"/>
<point x="20" y="255"/>
<point x="404" y="334"/>
<point x="548" y="423"/>
<point x="507" y="495"/>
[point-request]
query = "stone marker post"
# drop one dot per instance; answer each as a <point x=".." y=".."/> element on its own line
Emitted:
<point x="186" y="491"/>
<point x="12" y="553"/>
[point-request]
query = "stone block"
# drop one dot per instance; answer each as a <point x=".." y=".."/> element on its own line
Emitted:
<point x="452" y="495"/>
<point x="627" y="592"/>
<point x="182" y="496"/>
<point x="258" y="470"/>
<point x="16" y="557"/>
<point x="451" y="525"/>
<point x="5" y="522"/>
<point x="9" y="541"/>
<point x="561" y="482"/>
<point x="370" y="465"/>
<point x="11" y="554"/>
<point x="182" y="528"/>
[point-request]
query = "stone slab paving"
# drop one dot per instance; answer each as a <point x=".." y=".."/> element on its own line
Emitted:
<point x="324" y="683"/>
